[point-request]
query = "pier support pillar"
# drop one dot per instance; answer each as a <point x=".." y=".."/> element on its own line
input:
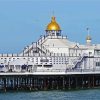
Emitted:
<point x="4" y="80"/>
<point x="76" y="82"/>
<point x="69" y="83"/>
<point x="63" y="83"/>
<point x="93" y="81"/>
<point x="88" y="81"/>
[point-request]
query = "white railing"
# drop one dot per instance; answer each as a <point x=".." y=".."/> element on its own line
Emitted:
<point x="52" y="70"/>
<point x="83" y="70"/>
<point x="42" y="48"/>
<point x="42" y="39"/>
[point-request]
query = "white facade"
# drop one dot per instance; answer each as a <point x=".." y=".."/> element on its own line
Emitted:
<point x="53" y="54"/>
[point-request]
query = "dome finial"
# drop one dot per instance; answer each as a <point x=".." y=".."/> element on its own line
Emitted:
<point x="53" y="19"/>
<point x="53" y="25"/>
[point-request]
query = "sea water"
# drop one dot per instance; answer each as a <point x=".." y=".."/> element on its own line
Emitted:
<point x="92" y="94"/>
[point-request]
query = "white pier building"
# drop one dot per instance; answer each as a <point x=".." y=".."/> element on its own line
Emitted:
<point x="52" y="62"/>
<point x="53" y="53"/>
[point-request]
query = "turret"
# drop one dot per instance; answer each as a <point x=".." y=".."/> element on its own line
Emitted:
<point x="53" y="28"/>
<point x="88" y="38"/>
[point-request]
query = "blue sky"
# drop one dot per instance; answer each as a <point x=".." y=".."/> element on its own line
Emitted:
<point x="23" y="21"/>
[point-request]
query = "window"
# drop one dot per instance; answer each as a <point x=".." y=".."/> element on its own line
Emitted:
<point x="97" y="63"/>
<point x="6" y="65"/>
<point x="47" y="65"/>
<point x="11" y="66"/>
<point x="39" y="65"/>
<point x="17" y="67"/>
<point x="58" y="34"/>
<point x="53" y="34"/>
<point x="97" y="52"/>
<point x="44" y="60"/>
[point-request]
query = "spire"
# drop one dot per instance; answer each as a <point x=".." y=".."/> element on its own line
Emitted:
<point x="53" y="18"/>
<point x="88" y="38"/>
<point x="88" y="30"/>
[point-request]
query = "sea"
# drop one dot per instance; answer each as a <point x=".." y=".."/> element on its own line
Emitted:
<point x="91" y="94"/>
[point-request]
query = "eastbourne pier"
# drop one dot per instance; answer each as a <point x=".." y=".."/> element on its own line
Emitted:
<point x="53" y="62"/>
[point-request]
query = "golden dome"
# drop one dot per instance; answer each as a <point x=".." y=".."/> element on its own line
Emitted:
<point x="53" y="25"/>
<point x="88" y="37"/>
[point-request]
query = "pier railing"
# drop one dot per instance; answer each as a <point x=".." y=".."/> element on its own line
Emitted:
<point x="83" y="70"/>
<point x="69" y="70"/>
<point x="57" y="70"/>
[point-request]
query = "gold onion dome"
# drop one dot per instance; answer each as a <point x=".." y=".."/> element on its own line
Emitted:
<point x="53" y="25"/>
<point x="88" y="37"/>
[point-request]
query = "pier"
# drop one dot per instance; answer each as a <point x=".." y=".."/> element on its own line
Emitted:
<point x="48" y="82"/>
<point x="53" y="62"/>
